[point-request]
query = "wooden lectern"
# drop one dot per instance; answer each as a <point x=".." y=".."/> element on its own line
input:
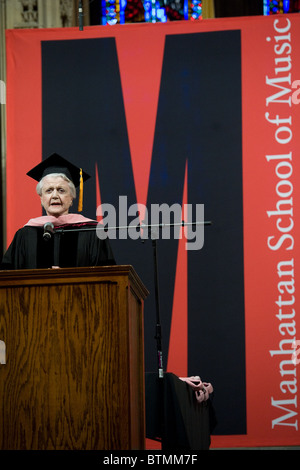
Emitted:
<point x="73" y="376"/>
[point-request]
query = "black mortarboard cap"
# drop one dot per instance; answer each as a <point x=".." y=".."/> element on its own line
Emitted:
<point x="57" y="164"/>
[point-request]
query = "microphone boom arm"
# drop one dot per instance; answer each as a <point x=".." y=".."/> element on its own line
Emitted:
<point x="158" y="335"/>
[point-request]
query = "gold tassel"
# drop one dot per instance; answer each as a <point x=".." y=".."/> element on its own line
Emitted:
<point x="80" y="199"/>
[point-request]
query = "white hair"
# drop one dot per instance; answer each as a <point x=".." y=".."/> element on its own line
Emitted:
<point x="39" y="186"/>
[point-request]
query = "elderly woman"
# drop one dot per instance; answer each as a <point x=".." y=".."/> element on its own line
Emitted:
<point x="58" y="239"/>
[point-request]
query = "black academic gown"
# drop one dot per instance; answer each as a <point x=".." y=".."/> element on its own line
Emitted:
<point x="29" y="249"/>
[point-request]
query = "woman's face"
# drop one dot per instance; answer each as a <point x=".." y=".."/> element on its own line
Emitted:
<point x="56" y="196"/>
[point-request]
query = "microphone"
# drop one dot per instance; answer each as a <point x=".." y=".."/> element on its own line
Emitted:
<point x="48" y="231"/>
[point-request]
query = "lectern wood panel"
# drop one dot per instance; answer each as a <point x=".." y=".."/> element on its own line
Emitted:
<point x="73" y="377"/>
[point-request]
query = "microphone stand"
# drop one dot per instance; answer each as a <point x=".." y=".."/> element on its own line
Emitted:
<point x="56" y="249"/>
<point x="158" y="335"/>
